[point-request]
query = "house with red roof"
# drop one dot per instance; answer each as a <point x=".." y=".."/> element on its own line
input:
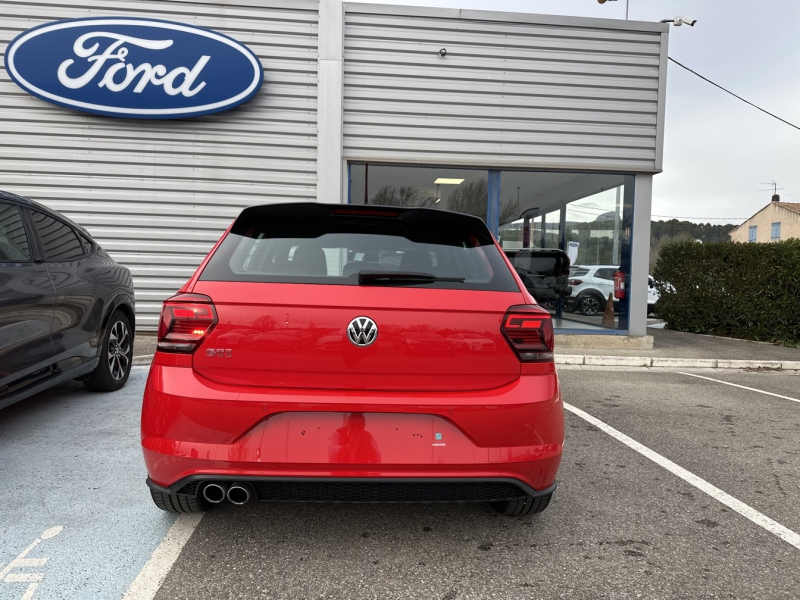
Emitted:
<point x="775" y="222"/>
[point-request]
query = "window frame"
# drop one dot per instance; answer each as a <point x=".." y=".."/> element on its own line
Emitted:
<point x="40" y="244"/>
<point x="773" y="237"/>
<point x="33" y="239"/>
<point x="752" y="233"/>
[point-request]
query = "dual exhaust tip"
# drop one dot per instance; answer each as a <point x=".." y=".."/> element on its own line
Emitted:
<point x="236" y="493"/>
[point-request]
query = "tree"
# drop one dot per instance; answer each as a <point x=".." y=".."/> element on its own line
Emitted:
<point x="405" y="196"/>
<point x="470" y="198"/>
<point x="509" y="211"/>
<point x="668" y="232"/>
<point x="658" y="244"/>
<point x="473" y="199"/>
<point x="705" y="232"/>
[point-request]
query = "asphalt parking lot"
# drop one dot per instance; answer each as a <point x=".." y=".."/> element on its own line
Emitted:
<point x="620" y="524"/>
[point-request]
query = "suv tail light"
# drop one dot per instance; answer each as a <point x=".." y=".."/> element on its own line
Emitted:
<point x="528" y="329"/>
<point x="186" y="320"/>
<point x="575" y="282"/>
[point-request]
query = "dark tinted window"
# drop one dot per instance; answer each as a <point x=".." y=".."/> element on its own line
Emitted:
<point x="13" y="241"/>
<point x="536" y="265"/>
<point x="578" y="272"/>
<point x="60" y="241"/>
<point x="605" y="274"/>
<point x="333" y="250"/>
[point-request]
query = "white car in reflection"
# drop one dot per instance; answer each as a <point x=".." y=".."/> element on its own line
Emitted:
<point x="591" y="285"/>
<point x="471" y="341"/>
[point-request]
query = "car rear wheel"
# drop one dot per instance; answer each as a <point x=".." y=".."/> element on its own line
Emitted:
<point x="590" y="305"/>
<point x="522" y="506"/>
<point x="116" y="356"/>
<point x="177" y="505"/>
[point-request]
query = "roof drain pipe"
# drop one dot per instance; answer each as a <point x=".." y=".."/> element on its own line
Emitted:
<point x="241" y="493"/>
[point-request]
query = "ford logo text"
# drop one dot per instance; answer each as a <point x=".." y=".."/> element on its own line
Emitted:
<point x="134" y="68"/>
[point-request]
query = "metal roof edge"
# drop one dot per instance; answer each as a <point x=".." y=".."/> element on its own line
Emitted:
<point x="515" y="17"/>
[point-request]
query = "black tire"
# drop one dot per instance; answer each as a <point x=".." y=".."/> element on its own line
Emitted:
<point x="590" y="305"/>
<point x="116" y="356"/>
<point x="178" y="505"/>
<point x="522" y="506"/>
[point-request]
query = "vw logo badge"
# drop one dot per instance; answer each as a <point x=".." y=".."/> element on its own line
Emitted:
<point x="362" y="332"/>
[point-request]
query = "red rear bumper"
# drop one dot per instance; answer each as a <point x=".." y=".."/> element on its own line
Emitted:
<point x="193" y="426"/>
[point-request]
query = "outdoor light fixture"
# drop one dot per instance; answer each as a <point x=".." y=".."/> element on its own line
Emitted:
<point x="678" y="21"/>
<point x="445" y="181"/>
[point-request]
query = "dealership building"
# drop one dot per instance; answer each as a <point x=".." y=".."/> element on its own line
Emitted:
<point x="550" y="128"/>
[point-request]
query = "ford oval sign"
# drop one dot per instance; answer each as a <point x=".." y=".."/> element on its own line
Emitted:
<point x="134" y="68"/>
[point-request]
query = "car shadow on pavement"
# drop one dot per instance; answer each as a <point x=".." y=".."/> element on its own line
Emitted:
<point x="42" y="405"/>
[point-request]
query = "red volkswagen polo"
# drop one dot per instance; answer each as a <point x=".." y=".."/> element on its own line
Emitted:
<point x="338" y="353"/>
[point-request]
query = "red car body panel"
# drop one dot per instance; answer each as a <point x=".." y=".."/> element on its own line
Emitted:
<point x="276" y="390"/>
<point x="514" y="431"/>
<point x="293" y="336"/>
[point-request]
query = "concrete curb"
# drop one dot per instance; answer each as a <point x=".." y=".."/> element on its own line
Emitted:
<point x="143" y="360"/>
<point x="615" y="361"/>
<point x="675" y="363"/>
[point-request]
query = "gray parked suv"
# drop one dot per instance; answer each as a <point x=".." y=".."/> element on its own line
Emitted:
<point x="66" y="308"/>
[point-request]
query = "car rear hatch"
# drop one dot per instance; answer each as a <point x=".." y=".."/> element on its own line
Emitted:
<point x="289" y="280"/>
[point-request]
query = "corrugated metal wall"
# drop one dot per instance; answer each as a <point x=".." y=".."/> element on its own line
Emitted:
<point x="158" y="194"/>
<point x="507" y="94"/>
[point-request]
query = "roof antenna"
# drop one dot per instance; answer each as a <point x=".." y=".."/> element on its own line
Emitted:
<point x="775" y="188"/>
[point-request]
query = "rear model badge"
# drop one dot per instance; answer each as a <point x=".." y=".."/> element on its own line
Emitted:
<point x="219" y="352"/>
<point x="362" y="332"/>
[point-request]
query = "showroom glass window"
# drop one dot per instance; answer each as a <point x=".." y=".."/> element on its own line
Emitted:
<point x="13" y="241"/>
<point x="587" y="215"/>
<point x="752" y="233"/>
<point x="776" y="231"/>
<point x="590" y="217"/>
<point x="61" y="243"/>
<point x="456" y="189"/>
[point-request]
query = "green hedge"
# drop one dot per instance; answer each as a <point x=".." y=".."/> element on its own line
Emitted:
<point x="748" y="291"/>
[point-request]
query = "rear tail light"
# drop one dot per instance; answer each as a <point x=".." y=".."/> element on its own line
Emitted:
<point x="575" y="281"/>
<point x="186" y="320"/>
<point x="528" y="329"/>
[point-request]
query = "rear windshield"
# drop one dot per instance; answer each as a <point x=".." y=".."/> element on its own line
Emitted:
<point x="334" y="250"/>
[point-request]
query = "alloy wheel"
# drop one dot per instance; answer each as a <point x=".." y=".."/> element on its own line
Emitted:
<point x="590" y="306"/>
<point x="119" y="345"/>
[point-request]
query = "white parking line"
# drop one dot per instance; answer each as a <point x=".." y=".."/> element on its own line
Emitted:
<point x="760" y="519"/>
<point x="744" y="387"/>
<point x="155" y="570"/>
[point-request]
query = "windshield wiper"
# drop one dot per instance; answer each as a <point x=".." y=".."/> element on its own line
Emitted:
<point x="402" y="277"/>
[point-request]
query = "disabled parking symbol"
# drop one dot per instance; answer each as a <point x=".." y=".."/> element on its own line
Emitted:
<point x="12" y="573"/>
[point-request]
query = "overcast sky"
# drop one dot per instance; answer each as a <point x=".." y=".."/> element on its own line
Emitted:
<point x="718" y="151"/>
